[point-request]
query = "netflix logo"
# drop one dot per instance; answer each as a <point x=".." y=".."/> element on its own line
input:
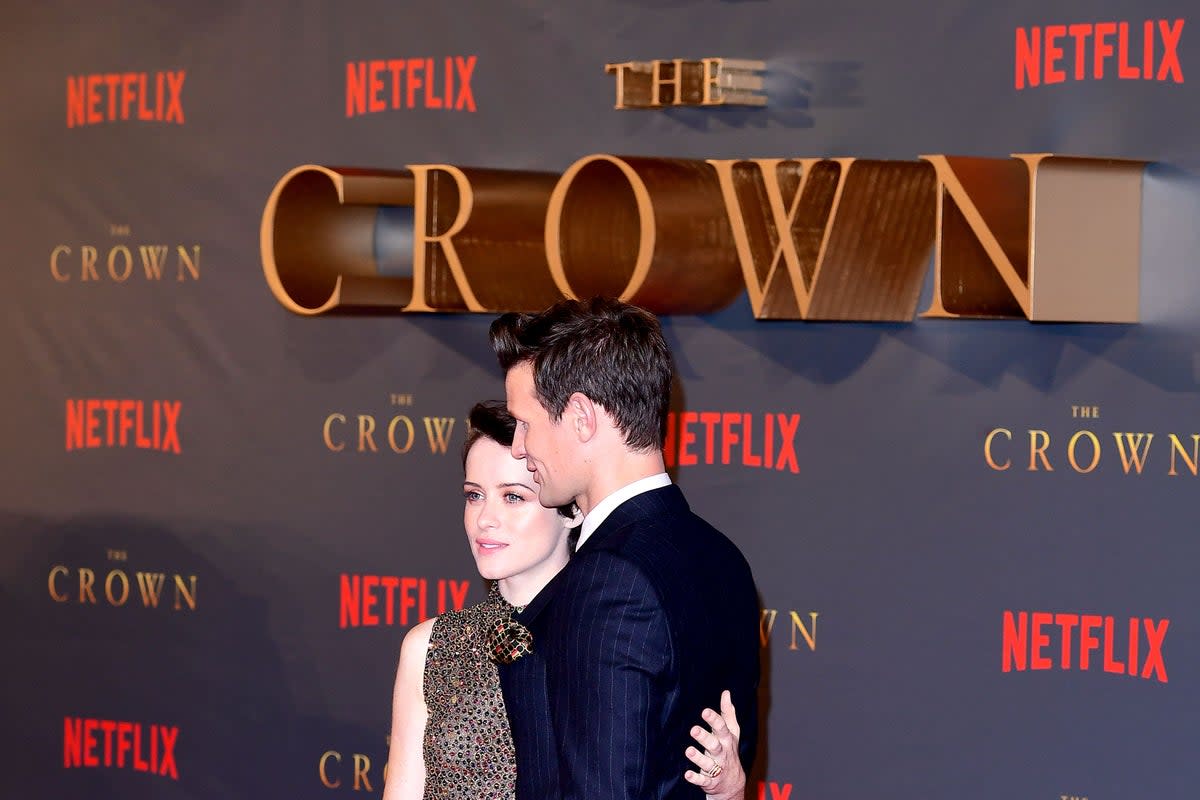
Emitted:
<point x="1042" y="640"/>
<point x="1146" y="51"/>
<point x="143" y="425"/>
<point x="405" y="83"/>
<point x="120" y="745"/>
<point x="767" y="440"/>
<point x="124" y="96"/>
<point x="371" y="600"/>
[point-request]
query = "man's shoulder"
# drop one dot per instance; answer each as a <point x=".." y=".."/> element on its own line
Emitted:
<point x="673" y="525"/>
<point x="658" y="536"/>
<point x="673" y="545"/>
<point x="659" y="510"/>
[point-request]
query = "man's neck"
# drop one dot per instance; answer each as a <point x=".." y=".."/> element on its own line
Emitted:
<point x="609" y="477"/>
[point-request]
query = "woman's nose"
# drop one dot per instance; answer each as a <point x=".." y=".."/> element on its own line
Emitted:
<point x="487" y="516"/>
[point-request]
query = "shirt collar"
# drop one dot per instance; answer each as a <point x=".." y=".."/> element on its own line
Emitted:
<point x="609" y="504"/>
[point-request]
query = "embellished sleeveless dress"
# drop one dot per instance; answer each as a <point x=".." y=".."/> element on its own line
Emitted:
<point x="469" y="751"/>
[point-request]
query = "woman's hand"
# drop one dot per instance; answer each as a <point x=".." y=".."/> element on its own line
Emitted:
<point x="718" y="768"/>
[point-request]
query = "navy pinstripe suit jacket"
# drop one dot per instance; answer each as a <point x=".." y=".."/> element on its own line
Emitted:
<point x="653" y="616"/>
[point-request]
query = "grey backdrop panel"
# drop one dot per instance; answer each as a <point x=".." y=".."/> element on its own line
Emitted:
<point x="893" y="530"/>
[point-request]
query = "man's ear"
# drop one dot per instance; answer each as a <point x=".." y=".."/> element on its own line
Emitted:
<point x="582" y="415"/>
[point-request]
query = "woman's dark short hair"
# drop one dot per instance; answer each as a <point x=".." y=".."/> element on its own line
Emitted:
<point x="491" y="420"/>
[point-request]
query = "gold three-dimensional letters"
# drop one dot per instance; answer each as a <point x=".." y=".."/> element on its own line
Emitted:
<point x="1040" y="237"/>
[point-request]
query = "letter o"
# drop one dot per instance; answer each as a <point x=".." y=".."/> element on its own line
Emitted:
<point x="1095" y="451"/>
<point x="609" y="207"/>
<point x="651" y="231"/>
<point x="112" y="272"/>
<point x="108" y="582"/>
<point x="391" y="433"/>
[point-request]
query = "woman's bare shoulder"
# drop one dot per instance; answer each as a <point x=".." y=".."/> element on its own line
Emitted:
<point x="418" y="635"/>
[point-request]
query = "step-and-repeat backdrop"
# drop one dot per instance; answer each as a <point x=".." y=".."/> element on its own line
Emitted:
<point x="929" y="271"/>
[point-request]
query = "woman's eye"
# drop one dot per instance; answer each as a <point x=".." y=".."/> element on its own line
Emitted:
<point x="472" y="496"/>
<point x="513" y="497"/>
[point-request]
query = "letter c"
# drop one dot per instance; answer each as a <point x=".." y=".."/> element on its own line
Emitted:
<point x="321" y="768"/>
<point x="326" y="433"/>
<point x="54" y="254"/>
<point x="58" y="570"/>
<point x="987" y="449"/>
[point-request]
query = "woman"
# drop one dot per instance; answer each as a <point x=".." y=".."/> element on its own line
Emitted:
<point x="450" y="736"/>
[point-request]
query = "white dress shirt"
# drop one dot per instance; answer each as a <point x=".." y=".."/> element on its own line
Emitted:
<point x="609" y="504"/>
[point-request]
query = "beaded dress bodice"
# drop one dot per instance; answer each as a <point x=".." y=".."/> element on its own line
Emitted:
<point x="469" y="751"/>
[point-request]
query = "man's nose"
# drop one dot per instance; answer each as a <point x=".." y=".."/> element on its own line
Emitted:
<point x="518" y="445"/>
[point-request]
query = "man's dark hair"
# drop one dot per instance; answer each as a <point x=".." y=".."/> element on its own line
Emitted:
<point x="491" y="420"/>
<point x="612" y="352"/>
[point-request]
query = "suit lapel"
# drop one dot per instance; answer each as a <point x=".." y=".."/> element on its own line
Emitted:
<point x="656" y="502"/>
<point x="534" y="607"/>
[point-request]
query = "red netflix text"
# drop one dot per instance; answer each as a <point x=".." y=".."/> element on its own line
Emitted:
<point x="113" y="96"/>
<point x="1096" y="50"/>
<point x="396" y="83"/>
<point x="732" y="437"/>
<point x="119" y="744"/>
<point x="368" y="600"/>
<point x="1031" y="640"/>
<point x="96" y="422"/>
<point x="770" y="790"/>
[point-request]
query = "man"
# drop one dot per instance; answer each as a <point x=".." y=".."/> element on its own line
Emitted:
<point x="656" y="613"/>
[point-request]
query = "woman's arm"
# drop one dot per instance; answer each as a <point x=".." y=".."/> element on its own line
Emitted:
<point x="406" y="762"/>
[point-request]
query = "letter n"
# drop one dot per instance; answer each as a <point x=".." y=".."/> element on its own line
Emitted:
<point x="76" y="100"/>
<point x="1042" y="237"/>
<point x="1016" y="641"/>
<point x="351" y="598"/>
<point x="76" y="424"/>
<point x="356" y="88"/>
<point x="72" y="742"/>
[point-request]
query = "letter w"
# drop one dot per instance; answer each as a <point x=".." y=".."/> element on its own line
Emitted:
<point x="438" y="429"/>
<point x="766" y="624"/>
<point x="1136" y="455"/>
<point x="153" y="258"/>
<point x="151" y="586"/>
<point x="868" y="226"/>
